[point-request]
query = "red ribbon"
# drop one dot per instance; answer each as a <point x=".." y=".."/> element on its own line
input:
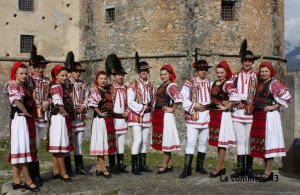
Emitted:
<point x="97" y="75"/>
<point x="270" y="67"/>
<point x="225" y="65"/>
<point x="14" y="70"/>
<point x="170" y="70"/>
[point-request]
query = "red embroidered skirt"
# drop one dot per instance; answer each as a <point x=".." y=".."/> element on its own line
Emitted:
<point x="214" y="126"/>
<point x="258" y="134"/>
<point x="157" y="129"/>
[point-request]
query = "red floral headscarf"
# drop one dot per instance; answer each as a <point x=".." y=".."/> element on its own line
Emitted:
<point x="97" y="75"/>
<point x="54" y="73"/>
<point x="225" y="65"/>
<point x="171" y="71"/>
<point x="14" y="70"/>
<point x="270" y="67"/>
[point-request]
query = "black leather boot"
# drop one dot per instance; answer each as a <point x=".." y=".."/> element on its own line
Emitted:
<point x="249" y="162"/>
<point x="143" y="167"/>
<point x="79" y="168"/>
<point x="187" y="170"/>
<point x="134" y="162"/>
<point x="112" y="164"/>
<point x="120" y="165"/>
<point x="200" y="161"/>
<point x="68" y="166"/>
<point x="241" y="167"/>
<point x="30" y="170"/>
<point x="37" y="180"/>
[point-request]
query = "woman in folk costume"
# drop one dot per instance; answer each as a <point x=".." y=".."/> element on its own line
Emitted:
<point x="164" y="135"/>
<point x="242" y="116"/>
<point x="118" y="91"/>
<point x="139" y="98"/>
<point x="195" y="92"/>
<point x="22" y="128"/>
<point x="266" y="133"/>
<point x="103" y="138"/>
<point x="79" y="92"/>
<point x="223" y="95"/>
<point x="60" y="133"/>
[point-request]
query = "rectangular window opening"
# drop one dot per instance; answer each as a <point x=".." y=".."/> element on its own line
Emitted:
<point x="26" y="43"/>
<point x="228" y="10"/>
<point x="26" y="5"/>
<point x="110" y="15"/>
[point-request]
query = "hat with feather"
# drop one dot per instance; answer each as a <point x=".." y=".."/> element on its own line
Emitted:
<point x="143" y="65"/>
<point x="200" y="64"/>
<point x="244" y="53"/>
<point x="36" y="59"/>
<point x="113" y="65"/>
<point x="71" y="65"/>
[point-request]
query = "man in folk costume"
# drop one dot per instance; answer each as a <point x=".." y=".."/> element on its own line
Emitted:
<point x="38" y="85"/>
<point x="195" y="92"/>
<point x="244" y="80"/>
<point x="139" y="98"/>
<point x="118" y="90"/>
<point x="79" y="93"/>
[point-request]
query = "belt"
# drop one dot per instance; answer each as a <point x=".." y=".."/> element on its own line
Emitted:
<point x="118" y="116"/>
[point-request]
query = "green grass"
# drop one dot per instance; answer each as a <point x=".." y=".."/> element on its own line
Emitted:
<point x="153" y="160"/>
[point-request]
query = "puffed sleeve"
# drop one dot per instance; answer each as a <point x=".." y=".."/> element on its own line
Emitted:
<point x="15" y="93"/>
<point x="174" y="93"/>
<point x="280" y="93"/>
<point x="94" y="99"/>
<point x="187" y="104"/>
<point x="132" y="104"/>
<point x="232" y="91"/>
<point x="57" y="95"/>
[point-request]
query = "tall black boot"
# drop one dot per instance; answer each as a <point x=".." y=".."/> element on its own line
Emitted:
<point x="112" y="164"/>
<point x="134" y="162"/>
<point x="143" y="167"/>
<point x="120" y="165"/>
<point x="68" y="166"/>
<point x="187" y="170"/>
<point x="79" y="168"/>
<point x="30" y="170"/>
<point x="241" y="167"/>
<point x="249" y="162"/>
<point x="37" y="180"/>
<point x="200" y="161"/>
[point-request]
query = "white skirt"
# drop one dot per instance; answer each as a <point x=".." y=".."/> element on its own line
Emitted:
<point x="19" y="142"/>
<point x="170" y="134"/>
<point x="274" y="142"/>
<point x="58" y="135"/>
<point x="226" y="134"/>
<point x="99" y="144"/>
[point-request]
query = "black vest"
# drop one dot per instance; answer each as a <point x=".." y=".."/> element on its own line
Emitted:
<point x="162" y="97"/>
<point x="263" y="96"/>
<point x="217" y="95"/>
<point x="106" y="104"/>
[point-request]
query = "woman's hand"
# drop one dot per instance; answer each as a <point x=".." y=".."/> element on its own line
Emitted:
<point x="199" y="107"/>
<point x="65" y="114"/>
<point x="45" y="105"/>
<point x="80" y="108"/>
<point x="270" y="108"/>
<point x="103" y="114"/>
<point x="168" y="109"/>
<point x="25" y="114"/>
<point x="125" y="114"/>
<point x="93" y="89"/>
<point x="240" y="106"/>
<point x="222" y="107"/>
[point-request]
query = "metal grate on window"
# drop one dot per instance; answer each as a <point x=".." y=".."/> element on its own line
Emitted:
<point x="26" y="5"/>
<point x="228" y="10"/>
<point x="110" y="15"/>
<point x="26" y="43"/>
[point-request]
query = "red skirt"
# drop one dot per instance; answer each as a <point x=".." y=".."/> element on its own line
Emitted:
<point x="111" y="135"/>
<point x="214" y="126"/>
<point x="258" y="134"/>
<point x="157" y="129"/>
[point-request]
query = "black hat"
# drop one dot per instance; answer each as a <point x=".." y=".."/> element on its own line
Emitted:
<point x="244" y="53"/>
<point x="201" y="64"/>
<point x="36" y="59"/>
<point x="113" y="65"/>
<point x="140" y="65"/>
<point x="71" y="65"/>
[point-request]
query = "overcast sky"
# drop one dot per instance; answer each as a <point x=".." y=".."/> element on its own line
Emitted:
<point x="292" y="21"/>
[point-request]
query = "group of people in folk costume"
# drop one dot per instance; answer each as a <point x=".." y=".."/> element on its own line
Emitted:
<point x="237" y="109"/>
